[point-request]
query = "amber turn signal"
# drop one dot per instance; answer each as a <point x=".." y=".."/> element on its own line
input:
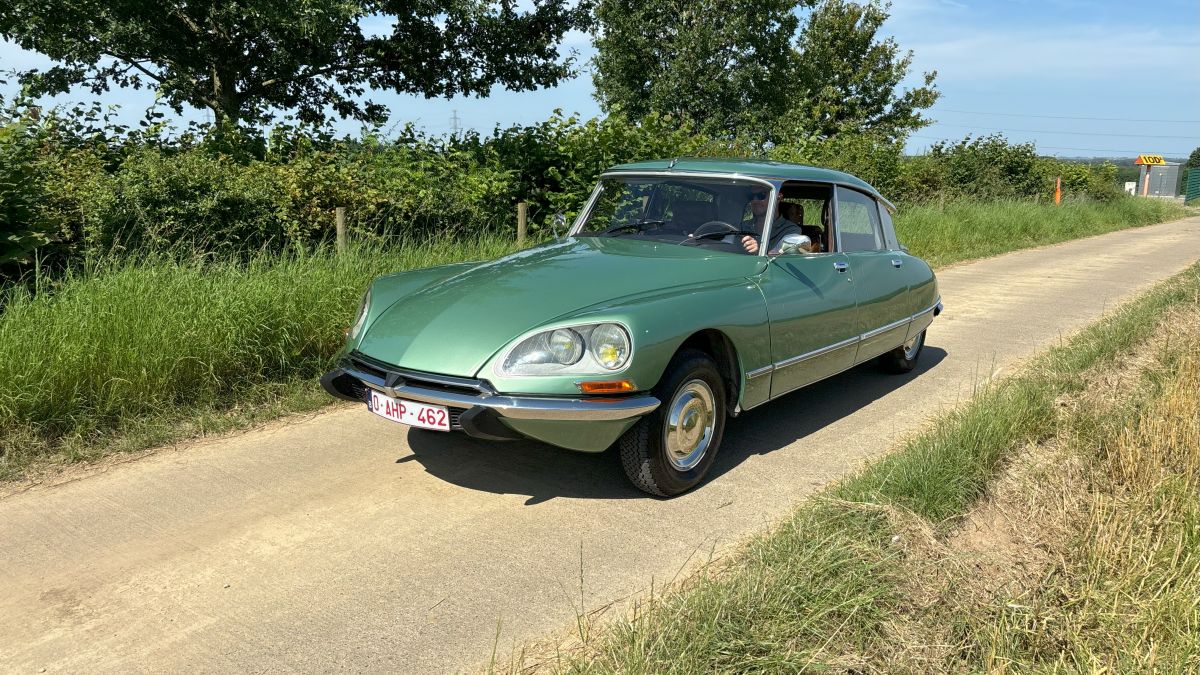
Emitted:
<point x="612" y="387"/>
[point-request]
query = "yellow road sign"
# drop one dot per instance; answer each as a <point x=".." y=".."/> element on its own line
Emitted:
<point x="1150" y="159"/>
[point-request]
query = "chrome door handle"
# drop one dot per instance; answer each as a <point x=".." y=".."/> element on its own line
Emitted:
<point x="841" y="266"/>
<point x="896" y="262"/>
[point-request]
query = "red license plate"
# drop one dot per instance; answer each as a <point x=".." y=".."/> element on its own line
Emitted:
<point x="411" y="413"/>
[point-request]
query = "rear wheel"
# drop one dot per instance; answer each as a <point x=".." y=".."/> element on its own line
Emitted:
<point x="668" y="451"/>
<point x="903" y="359"/>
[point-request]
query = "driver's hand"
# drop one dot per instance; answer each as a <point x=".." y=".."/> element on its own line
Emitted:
<point x="750" y="244"/>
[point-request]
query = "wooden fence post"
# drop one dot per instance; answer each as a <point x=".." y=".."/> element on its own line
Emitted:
<point x="522" y="215"/>
<point x="339" y="215"/>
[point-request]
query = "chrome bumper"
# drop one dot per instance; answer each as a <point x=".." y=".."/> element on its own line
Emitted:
<point x="515" y="407"/>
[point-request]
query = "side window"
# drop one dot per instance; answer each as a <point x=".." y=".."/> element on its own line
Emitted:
<point x="858" y="222"/>
<point x="889" y="230"/>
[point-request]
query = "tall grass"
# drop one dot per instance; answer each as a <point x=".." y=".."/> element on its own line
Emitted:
<point x="1123" y="592"/>
<point x="963" y="230"/>
<point x="145" y="344"/>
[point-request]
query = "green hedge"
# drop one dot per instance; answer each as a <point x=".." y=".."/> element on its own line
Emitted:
<point x="73" y="191"/>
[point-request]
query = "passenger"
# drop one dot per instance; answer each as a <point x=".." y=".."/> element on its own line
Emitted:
<point x="780" y="226"/>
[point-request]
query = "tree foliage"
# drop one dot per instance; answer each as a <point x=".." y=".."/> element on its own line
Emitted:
<point x="744" y="66"/>
<point x="721" y="64"/>
<point x="1193" y="160"/>
<point x="247" y="59"/>
<point x="849" y="79"/>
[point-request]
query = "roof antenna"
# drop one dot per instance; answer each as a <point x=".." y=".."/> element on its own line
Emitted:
<point x="672" y="164"/>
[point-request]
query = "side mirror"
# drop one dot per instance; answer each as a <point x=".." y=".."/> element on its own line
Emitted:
<point x="559" y="221"/>
<point x="795" y="243"/>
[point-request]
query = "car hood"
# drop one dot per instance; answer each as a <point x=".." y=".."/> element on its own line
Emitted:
<point x="455" y="326"/>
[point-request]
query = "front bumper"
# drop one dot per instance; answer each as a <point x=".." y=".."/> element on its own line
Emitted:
<point x="344" y="383"/>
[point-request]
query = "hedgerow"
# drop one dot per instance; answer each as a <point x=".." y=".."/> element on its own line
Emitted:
<point x="75" y="187"/>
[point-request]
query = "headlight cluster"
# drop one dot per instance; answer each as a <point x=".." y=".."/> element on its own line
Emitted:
<point x="587" y="349"/>
<point x="362" y="315"/>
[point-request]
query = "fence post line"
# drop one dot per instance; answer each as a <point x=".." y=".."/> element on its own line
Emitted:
<point x="522" y="215"/>
<point x="339" y="215"/>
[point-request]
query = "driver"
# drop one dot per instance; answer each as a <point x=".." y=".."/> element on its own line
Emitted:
<point x="780" y="226"/>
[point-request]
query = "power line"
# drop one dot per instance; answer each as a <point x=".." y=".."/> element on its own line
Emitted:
<point x="1056" y="147"/>
<point x="1068" y="133"/>
<point x="1065" y="117"/>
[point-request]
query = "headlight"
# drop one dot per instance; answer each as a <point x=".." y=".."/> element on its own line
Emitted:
<point x="609" y="346"/>
<point x="566" y="346"/>
<point x="362" y="315"/>
<point x="576" y="350"/>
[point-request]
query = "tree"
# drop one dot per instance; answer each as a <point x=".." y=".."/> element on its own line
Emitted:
<point x="851" y="79"/>
<point x="741" y="66"/>
<point x="720" y="64"/>
<point x="1193" y="159"/>
<point x="247" y="59"/>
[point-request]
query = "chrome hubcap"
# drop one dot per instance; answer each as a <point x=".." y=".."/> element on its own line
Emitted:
<point x="690" y="422"/>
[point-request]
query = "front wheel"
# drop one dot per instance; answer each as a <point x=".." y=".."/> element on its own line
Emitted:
<point x="903" y="359"/>
<point x="668" y="451"/>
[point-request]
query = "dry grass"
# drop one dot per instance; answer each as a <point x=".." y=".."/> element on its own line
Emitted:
<point x="1124" y="594"/>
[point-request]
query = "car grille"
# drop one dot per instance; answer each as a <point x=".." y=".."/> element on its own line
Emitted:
<point x="392" y="376"/>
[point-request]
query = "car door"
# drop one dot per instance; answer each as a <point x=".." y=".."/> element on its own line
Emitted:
<point x="812" y="308"/>
<point x="880" y="281"/>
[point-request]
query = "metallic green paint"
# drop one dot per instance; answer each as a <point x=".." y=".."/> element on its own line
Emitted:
<point x="580" y="436"/>
<point x="812" y="306"/>
<point x="455" y="327"/>
<point x="779" y="315"/>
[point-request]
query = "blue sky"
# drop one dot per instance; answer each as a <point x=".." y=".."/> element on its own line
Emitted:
<point x="1077" y="77"/>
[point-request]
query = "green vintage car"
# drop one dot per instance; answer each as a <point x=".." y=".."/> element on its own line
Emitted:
<point x="672" y="303"/>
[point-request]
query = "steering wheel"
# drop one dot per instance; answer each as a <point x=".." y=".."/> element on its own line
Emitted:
<point x="715" y="226"/>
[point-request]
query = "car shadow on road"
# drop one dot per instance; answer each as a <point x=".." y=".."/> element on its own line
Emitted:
<point x="544" y="472"/>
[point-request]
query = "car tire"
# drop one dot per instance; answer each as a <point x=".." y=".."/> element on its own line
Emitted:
<point x="667" y="459"/>
<point x="903" y="359"/>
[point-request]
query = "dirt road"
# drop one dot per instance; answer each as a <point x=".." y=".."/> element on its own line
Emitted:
<point x="347" y="542"/>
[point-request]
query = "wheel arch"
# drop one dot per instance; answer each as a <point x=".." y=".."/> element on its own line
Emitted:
<point x="724" y="353"/>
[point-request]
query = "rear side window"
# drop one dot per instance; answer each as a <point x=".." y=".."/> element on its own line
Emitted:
<point x="889" y="230"/>
<point x="858" y="222"/>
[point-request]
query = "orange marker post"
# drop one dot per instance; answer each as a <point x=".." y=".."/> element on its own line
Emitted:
<point x="1058" y="190"/>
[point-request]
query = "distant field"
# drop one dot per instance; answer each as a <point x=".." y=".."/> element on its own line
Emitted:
<point x="142" y="353"/>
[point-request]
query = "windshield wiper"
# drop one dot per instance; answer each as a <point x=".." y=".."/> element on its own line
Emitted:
<point x="632" y="226"/>
<point x="717" y="235"/>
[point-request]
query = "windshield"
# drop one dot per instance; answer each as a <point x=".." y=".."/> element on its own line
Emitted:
<point x="691" y="211"/>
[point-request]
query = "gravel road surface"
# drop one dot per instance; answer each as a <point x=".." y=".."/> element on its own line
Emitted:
<point x="344" y="541"/>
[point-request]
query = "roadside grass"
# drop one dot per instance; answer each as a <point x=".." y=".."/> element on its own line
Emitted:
<point x="1097" y="570"/>
<point x="955" y="231"/>
<point x="149" y="351"/>
<point x="142" y="352"/>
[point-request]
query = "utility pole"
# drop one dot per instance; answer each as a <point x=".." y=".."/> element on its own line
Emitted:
<point x="454" y="122"/>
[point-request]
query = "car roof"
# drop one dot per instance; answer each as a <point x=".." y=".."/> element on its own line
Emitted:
<point x="757" y="168"/>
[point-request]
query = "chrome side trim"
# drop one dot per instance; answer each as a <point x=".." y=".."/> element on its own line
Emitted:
<point x="844" y="343"/>
<point x="883" y="329"/>
<point x="817" y="352"/>
<point x="759" y="372"/>
<point x="519" y="407"/>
